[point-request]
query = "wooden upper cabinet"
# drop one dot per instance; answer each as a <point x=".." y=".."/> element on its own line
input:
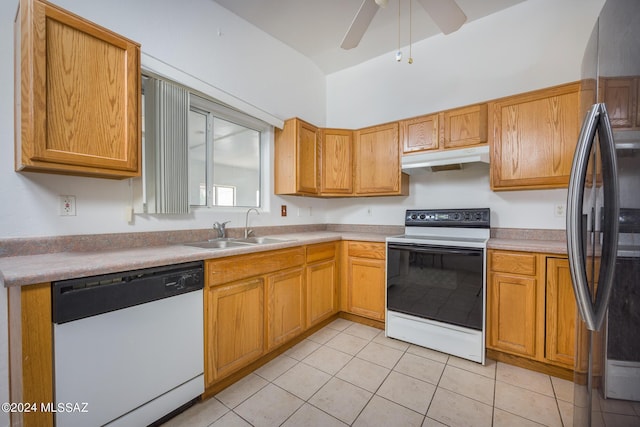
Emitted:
<point x="420" y="133"/>
<point x="533" y="137"/>
<point x="377" y="165"/>
<point x="464" y="127"/>
<point x="296" y="153"/>
<point x="78" y="95"/>
<point x="451" y="129"/>
<point x="621" y="96"/>
<point x="336" y="162"/>
<point x="637" y="124"/>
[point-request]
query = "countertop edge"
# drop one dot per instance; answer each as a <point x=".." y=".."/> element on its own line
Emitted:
<point x="42" y="268"/>
<point x="558" y="247"/>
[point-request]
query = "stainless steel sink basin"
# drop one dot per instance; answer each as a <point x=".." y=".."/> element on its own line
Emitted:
<point x="261" y="240"/>
<point x="223" y="243"/>
<point x="218" y="244"/>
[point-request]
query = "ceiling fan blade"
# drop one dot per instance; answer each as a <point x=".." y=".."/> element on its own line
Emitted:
<point x="445" y="13"/>
<point x="360" y="24"/>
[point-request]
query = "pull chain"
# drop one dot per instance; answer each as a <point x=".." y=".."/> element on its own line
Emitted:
<point x="410" y="18"/>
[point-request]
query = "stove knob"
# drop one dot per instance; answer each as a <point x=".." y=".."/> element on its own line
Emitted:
<point x="456" y="216"/>
<point x="414" y="216"/>
<point x="478" y="216"/>
<point x="422" y="216"/>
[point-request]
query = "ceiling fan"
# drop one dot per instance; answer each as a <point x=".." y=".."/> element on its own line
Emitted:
<point x="445" y="13"/>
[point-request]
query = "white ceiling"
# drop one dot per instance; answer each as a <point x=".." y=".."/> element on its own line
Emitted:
<point x="315" y="28"/>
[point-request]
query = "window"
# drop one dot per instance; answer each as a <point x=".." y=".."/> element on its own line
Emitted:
<point x="197" y="153"/>
<point x="224" y="155"/>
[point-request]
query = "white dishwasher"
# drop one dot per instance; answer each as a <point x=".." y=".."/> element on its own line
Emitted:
<point x="128" y="347"/>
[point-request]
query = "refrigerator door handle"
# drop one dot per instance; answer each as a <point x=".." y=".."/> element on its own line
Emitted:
<point x="593" y="314"/>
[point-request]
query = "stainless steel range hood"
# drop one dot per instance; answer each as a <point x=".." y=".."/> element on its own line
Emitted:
<point x="438" y="160"/>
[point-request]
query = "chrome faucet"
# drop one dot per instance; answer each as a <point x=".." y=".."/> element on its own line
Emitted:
<point x="220" y="228"/>
<point x="247" y="232"/>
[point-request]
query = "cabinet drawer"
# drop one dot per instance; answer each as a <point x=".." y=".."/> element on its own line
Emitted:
<point x="372" y="250"/>
<point x="513" y="262"/>
<point x="321" y="251"/>
<point x="235" y="268"/>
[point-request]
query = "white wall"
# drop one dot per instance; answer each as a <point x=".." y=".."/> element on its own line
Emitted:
<point x="534" y="44"/>
<point x="242" y="62"/>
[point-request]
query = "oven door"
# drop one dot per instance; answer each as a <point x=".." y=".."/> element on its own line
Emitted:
<point x="441" y="283"/>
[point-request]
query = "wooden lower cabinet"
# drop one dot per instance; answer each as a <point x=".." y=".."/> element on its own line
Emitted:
<point x="30" y="352"/>
<point x="285" y="306"/>
<point x="321" y="278"/>
<point x="234" y="327"/>
<point x="251" y="304"/>
<point x="365" y="279"/>
<point x="531" y="308"/>
<point x="561" y="313"/>
<point x="512" y="314"/>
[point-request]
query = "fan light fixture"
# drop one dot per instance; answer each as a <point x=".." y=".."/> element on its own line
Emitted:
<point x="445" y="13"/>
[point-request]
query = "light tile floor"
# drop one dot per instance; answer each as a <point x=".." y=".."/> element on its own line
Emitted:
<point x="351" y="374"/>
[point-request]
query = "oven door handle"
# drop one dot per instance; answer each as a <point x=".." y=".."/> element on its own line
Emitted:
<point x="435" y="250"/>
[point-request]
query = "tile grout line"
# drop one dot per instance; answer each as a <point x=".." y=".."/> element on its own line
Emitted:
<point x="403" y="352"/>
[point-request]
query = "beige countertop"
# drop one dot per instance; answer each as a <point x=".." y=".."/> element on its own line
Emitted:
<point x="32" y="269"/>
<point x="529" y="245"/>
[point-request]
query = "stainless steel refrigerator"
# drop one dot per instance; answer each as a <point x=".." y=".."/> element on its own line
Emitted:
<point x="603" y="223"/>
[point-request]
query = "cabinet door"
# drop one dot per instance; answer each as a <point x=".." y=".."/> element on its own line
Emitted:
<point x="322" y="300"/>
<point x="307" y="169"/>
<point x="285" y="306"/>
<point x="79" y="94"/>
<point x="377" y="168"/>
<point x="533" y="138"/>
<point x="561" y="312"/>
<point x="420" y="134"/>
<point x="296" y="158"/>
<point x="465" y="126"/>
<point x="511" y="314"/>
<point x="234" y="328"/>
<point x="366" y="277"/>
<point x="620" y="95"/>
<point x="336" y="159"/>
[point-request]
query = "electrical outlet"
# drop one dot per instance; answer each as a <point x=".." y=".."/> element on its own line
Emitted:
<point x="67" y="205"/>
<point x="559" y="210"/>
<point x="369" y="211"/>
<point x="310" y="211"/>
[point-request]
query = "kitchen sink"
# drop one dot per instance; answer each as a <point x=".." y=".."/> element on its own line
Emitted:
<point x="218" y="244"/>
<point x="261" y="240"/>
<point x="224" y="243"/>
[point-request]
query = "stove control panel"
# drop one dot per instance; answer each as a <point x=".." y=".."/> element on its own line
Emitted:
<point x="476" y="218"/>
